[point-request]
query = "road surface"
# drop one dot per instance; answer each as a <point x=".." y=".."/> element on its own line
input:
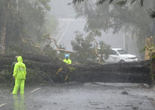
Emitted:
<point x="73" y="96"/>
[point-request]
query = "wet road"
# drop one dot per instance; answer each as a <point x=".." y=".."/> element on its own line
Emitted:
<point x="88" y="96"/>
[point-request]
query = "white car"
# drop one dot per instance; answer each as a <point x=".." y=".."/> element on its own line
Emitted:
<point x="119" y="55"/>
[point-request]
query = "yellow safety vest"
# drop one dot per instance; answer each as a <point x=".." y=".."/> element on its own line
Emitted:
<point x="67" y="61"/>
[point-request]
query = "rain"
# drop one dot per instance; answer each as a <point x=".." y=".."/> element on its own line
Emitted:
<point x="77" y="55"/>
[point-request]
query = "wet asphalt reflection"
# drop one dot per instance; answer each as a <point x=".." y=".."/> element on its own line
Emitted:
<point x="88" y="96"/>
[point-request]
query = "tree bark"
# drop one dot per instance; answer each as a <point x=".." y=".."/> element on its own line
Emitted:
<point x="3" y="40"/>
<point x="5" y="12"/>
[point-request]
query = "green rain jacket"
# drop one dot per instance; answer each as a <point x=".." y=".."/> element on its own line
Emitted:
<point x="19" y="69"/>
<point x="67" y="61"/>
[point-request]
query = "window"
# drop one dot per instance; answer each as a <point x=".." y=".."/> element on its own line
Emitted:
<point x="122" y="51"/>
<point x="113" y="52"/>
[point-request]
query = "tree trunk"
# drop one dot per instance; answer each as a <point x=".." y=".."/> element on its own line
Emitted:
<point x="3" y="39"/>
<point x="5" y="12"/>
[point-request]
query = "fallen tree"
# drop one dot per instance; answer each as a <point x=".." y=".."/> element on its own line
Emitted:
<point x="42" y="69"/>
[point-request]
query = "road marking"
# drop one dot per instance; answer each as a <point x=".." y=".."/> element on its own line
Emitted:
<point x="35" y="90"/>
<point x="2" y="105"/>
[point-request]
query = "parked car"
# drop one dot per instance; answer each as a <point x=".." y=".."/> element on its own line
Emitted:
<point x="119" y="55"/>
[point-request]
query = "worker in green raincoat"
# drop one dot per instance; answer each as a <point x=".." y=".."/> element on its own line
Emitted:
<point x="19" y="74"/>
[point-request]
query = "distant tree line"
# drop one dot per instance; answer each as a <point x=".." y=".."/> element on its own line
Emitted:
<point x="23" y="25"/>
<point x="134" y="17"/>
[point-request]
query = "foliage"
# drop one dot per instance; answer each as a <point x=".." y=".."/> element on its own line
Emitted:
<point x="119" y="2"/>
<point x="120" y="15"/>
<point x="49" y="51"/>
<point x="86" y="47"/>
<point x="104" y="50"/>
<point x="83" y="47"/>
<point x="26" y="22"/>
<point x="61" y="53"/>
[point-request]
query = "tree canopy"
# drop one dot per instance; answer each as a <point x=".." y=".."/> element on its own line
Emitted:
<point x="130" y="16"/>
<point x="23" y="24"/>
<point x="87" y="49"/>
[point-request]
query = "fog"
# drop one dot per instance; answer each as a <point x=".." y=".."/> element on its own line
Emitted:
<point x="77" y="54"/>
<point x="69" y="23"/>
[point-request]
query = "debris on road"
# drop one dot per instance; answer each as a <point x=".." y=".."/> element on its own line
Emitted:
<point x="125" y="93"/>
<point x="35" y="90"/>
<point x="2" y="105"/>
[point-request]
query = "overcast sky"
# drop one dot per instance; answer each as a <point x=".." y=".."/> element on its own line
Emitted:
<point x="68" y="22"/>
<point x="61" y="9"/>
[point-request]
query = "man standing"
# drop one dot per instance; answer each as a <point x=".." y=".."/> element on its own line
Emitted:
<point x="19" y="73"/>
<point x="68" y="61"/>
